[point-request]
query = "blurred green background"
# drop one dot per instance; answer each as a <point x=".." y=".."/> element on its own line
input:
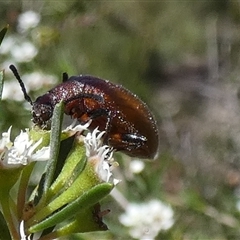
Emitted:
<point x="182" y="58"/>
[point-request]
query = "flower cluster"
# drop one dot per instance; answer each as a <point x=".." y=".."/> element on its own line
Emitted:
<point x="100" y="155"/>
<point x="146" y="220"/>
<point x="20" y="51"/>
<point x="28" y="20"/>
<point x="21" y="151"/>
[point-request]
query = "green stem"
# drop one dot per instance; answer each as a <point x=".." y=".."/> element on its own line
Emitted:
<point x="12" y="206"/>
<point x="23" y="185"/>
<point x="4" y="200"/>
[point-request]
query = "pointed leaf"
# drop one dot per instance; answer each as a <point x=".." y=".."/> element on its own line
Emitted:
<point x="2" y="33"/>
<point x="54" y="145"/>
<point x="1" y="83"/>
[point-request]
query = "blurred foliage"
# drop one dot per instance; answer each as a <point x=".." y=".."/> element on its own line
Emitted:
<point x="182" y="58"/>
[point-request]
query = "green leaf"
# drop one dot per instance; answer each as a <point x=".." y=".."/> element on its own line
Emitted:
<point x="72" y="168"/>
<point x="54" y="145"/>
<point x="1" y="83"/>
<point x="2" y="33"/>
<point x="88" y="220"/>
<point x="88" y="199"/>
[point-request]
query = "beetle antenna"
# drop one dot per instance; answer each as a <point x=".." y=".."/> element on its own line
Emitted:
<point x="15" y="72"/>
<point x="64" y="77"/>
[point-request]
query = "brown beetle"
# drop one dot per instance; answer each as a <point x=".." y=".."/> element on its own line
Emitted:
<point x="130" y="127"/>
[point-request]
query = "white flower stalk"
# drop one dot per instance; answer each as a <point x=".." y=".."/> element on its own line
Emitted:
<point x="146" y="220"/>
<point x="100" y="155"/>
<point x="28" y="20"/>
<point x="22" y="150"/>
<point x="22" y="232"/>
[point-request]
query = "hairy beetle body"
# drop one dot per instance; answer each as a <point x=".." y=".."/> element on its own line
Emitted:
<point x="130" y="127"/>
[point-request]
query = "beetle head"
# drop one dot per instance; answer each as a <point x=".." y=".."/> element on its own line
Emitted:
<point x="42" y="111"/>
<point x="42" y="108"/>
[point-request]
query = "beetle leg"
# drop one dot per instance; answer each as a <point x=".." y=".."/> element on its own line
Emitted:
<point x="126" y="141"/>
<point x="94" y="114"/>
<point x="98" y="113"/>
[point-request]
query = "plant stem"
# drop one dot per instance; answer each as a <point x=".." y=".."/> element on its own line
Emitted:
<point x="4" y="200"/>
<point x="26" y="173"/>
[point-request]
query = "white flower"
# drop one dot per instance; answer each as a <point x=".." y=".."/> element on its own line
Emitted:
<point x="7" y="44"/>
<point x="24" y="52"/>
<point x="146" y="220"/>
<point x="32" y="82"/>
<point x="100" y="156"/>
<point x="72" y="129"/>
<point x="12" y="90"/>
<point x="37" y="80"/>
<point x="28" y="20"/>
<point x="22" y="150"/>
<point x="93" y="142"/>
<point x="5" y="142"/>
<point x="136" y="166"/>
